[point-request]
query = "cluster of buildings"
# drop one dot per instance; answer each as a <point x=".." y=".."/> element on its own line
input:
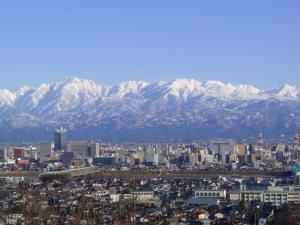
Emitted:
<point x="211" y="155"/>
<point x="110" y="198"/>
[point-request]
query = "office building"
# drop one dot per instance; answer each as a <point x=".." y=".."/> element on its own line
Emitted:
<point x="220" y="150"/>
<point x="105" y="160"/>
<point x="3" y="154"/>
<point x="44" y="151"/>
<point x="67" y="158"/>
<point x="93" y="149"/>
<point x="152" y="155"/>
<point x="60" y="139"/>
<point x="84" y="149"/>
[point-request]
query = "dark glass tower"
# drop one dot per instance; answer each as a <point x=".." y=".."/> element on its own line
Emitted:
<point x="60" y="139"/>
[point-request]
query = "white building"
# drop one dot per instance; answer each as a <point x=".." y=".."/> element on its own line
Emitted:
<point x="210" y="193"/>
<point x="277" y="195"/>
<point x="143" y="195"/>
<point x="205" y="156"/>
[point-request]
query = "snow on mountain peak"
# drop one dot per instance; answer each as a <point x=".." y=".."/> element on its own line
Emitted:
<point x="7" y="98"/>
<point x="127" y="87"/>
<point x="218" y="89"/>
<point x="74" y="93"/>
<point x="181" y="103"/>
<point x="76" y="86"/>
<point x="245" y="91"/>
<point x="289" y="91"/>
<point x="213" y="83"/>
<point x="185" y="84"/>
<point x="39" y="94"/>
<point x="185" y="87"/>
<point x="22" y="91"/>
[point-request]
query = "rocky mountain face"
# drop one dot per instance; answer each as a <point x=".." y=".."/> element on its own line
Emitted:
<point x="182" y="109"/>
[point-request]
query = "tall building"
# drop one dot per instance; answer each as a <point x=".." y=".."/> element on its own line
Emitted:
<point x="152" y="155"/>
<point x="60" y="139"/>
<point x="220" y="149"/>
<point x="44" y="151"/>
<point x="93" y="149"/>
<point x="84" y="149"/>
<point x="260" y="139"/>
<point x="3" y="154"/>
<point x="193" y="158"/>
<point x="296" y="142"/>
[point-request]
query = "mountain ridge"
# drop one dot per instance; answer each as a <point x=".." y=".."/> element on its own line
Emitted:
<point x="210" y="87"/>
<point x="181" y="108"/>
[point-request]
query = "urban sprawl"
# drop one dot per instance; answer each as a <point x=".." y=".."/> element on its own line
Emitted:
<point x="214" y="182"/>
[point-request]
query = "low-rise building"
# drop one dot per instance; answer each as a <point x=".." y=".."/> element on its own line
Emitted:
<point x="276" y="195"/>
<point x="143" y="195"/>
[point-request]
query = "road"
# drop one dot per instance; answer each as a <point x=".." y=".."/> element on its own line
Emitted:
<point x="185" y="174"/>
<point x="144" y="174"/>
<point x="19" y="173"/>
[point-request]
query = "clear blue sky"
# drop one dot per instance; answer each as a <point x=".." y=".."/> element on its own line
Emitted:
<point x="255" y="42"/>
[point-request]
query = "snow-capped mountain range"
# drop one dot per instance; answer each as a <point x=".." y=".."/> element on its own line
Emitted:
<point x="137" y="110"/>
